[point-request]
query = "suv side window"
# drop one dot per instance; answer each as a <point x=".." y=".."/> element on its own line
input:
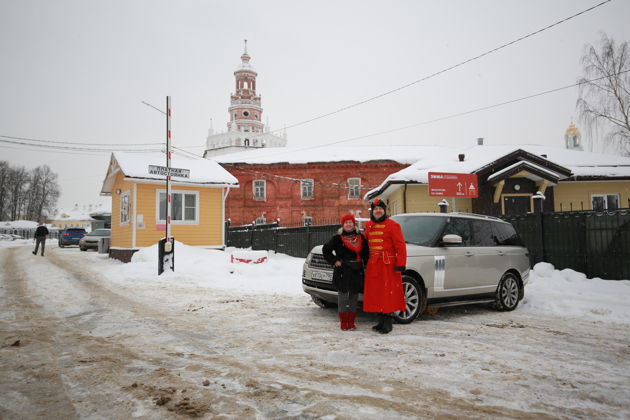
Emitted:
<point x="483" y="234"/>
<point x="461" y="227"/>
<point x="506" y="235"/>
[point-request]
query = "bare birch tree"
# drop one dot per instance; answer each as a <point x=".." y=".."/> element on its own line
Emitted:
<point x="26" y="194"/>
<point x="604" y="101"/>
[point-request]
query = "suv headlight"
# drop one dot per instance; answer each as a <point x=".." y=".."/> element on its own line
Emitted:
<point x="308" y="258"/>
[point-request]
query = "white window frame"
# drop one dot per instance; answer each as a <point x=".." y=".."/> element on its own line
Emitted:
<point x="605" y="197"/>
<point x="351" y="189"/>
<point x="303" y="183"/>
<point x="125" y="208"/>
<point x="264" y="190"/>
<point x="177" y="222"/>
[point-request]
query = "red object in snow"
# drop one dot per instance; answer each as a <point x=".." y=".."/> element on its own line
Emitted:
<point x="247" y="261"/>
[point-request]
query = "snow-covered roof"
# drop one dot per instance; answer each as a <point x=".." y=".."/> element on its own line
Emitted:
<point x="296" y="155"/>
<point x="136" y="165"/>
<point x="445" y="159"/>
<point x="83" y="212"/>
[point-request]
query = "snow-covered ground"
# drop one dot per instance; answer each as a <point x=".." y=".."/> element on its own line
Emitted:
<point x="101" y="339"/>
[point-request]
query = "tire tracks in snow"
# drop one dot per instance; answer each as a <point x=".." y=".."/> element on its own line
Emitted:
<point x="70" y="373"/>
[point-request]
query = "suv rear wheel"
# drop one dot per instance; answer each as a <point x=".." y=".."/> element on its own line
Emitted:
<point x="414" y="300"/>
<point x="507" y="293"/>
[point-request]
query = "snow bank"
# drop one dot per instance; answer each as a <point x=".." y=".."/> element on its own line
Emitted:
<point x="212" y="268"/>
<point x="570" y="293"/>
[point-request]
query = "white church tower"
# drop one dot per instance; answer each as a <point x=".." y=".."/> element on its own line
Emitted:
<point x="245" y="128"/>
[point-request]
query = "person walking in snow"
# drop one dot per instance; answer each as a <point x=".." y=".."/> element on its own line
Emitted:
<point x="383" y="291"/>
<point x="40" y="237"/>
<point x="347" y="252"/>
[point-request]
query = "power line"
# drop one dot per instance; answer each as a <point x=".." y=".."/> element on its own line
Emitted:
<point x="430" y="76"/>
<point x="451" y="116"/>
<point x="85" y="149"/>
<point x="80" y="144"/>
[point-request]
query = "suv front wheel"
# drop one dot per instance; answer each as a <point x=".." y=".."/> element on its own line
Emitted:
<point x="414" y="299"/>
<point x="507" y="293"/>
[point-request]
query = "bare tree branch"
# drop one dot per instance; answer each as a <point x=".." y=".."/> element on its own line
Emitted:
<point x="605" y="103"/>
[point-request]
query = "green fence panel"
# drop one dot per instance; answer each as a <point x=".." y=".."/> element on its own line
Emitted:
<point x="528" y="229"/>
<point x="564" y="240"/>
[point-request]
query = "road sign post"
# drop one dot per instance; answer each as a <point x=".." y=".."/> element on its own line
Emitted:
<point x="166" y="249"/>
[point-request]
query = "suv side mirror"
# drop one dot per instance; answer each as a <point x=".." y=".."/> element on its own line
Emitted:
<point x="451" y="239"/>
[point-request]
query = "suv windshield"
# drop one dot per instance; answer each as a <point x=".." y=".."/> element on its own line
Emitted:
<point x="420" y="230"/>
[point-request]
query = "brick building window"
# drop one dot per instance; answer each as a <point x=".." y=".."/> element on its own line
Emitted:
<point x="260" y="190"/>
<point x="354" y="188"/>
<point x="307" y="189"/>
<point x="308" y="220"/>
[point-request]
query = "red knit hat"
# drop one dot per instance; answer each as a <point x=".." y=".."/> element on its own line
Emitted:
<point x="348" y="217"/>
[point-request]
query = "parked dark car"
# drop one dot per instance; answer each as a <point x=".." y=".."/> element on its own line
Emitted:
<point x="90" y="241"/>
<point x="71" y="236"/>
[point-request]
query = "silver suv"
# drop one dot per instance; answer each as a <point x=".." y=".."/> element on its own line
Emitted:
<point x="452" y="259"/>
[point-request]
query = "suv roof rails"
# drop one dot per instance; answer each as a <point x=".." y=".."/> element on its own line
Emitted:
<point x="476" y="215"/>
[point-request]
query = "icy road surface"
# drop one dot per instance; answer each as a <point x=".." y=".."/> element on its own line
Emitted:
<point x="80" y="341"/>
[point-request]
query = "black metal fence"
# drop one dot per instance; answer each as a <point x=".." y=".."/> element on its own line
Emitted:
<point x="594" y="243"/>
<point x="294" y="241"/>
<point x="27" y="233"/>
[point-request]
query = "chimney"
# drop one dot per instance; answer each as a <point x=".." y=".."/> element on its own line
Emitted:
<point x="479" y="141"/>
<point x="461" y="157"/>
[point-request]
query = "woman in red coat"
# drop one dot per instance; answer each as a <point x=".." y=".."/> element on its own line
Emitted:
<point x="383" y="292"/>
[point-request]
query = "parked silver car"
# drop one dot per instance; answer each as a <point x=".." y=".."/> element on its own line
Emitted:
<point x="452" y="259"/>
<point x="91" y="239"/>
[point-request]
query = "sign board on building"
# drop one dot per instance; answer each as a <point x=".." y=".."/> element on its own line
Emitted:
<point x="163" y="170"/>
<point x="443" y="184"/>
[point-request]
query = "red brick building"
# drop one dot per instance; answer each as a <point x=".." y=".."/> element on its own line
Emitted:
<point x="299" y="193"/>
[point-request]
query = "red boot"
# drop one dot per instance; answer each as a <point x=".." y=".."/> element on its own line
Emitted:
<point x="343" y="320"/>
<point x="351" y="317"/>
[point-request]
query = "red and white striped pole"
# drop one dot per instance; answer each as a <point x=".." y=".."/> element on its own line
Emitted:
<point x="168" y="169"/>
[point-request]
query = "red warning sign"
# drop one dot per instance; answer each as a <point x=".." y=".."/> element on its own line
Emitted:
<point x="453" y="185"/>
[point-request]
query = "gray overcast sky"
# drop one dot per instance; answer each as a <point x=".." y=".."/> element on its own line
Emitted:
<point x="78" y="70"/>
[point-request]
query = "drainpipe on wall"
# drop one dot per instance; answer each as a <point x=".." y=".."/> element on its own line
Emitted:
<point x="405" y="199"/>
<point x="134" y="217"/>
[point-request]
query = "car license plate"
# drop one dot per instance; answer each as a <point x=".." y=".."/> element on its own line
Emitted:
<point x="322" y="275"/>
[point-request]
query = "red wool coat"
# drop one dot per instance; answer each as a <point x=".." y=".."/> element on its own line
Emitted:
<point x="383" y="290"/>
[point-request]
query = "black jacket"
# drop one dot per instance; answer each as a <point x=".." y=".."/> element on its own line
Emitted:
<point x="348" y="277"/>
<point x="41" y="231"/>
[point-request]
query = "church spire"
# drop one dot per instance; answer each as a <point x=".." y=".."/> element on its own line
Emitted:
<point x="245" y="57"/>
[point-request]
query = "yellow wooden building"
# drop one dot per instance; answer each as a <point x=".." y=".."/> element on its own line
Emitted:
<point x="509" y="177"/>
<point x="138" y="191"/>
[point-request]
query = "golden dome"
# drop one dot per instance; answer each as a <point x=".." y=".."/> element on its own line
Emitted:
<point x="572" y="130"/>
